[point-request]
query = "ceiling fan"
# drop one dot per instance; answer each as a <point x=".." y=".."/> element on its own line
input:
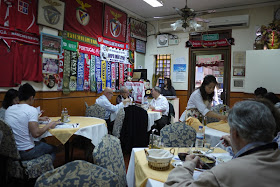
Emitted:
<point x="189" y="17"/>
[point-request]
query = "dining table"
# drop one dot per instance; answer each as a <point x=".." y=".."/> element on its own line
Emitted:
<point x="140" y="174"/>
<point x="89" y="127"/>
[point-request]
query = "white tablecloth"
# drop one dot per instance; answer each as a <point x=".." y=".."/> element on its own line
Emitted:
<point x="152" y="117"/>
<point x="214" y="135"/>
<point x="94" y="132"/>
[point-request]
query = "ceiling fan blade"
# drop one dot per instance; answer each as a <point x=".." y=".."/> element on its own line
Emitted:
<point x="201" y="20"/>
<point x="179" y="11"/>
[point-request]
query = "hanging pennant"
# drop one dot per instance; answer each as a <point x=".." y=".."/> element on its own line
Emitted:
<point x="92" y="74"/>
<point x="113" y="78"/>
<point x="66" y="72"/>
<point x="86" y="72"/>
<point x="98" y="74"/>
<point x="103" y="74"/>
<point x="60" y="71"/>
<point x="108" y="74"/>
<point x="73" y="72"/>
<point x="117" y="76"/>
<point x="80" y="72"/>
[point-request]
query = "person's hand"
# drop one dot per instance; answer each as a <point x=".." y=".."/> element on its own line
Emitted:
<point x="223" y="117"/>
<point x="44" y="118"/>
<point x="195" y="159"/>
<point x="151" y="107"/>
<point x="53" y="124"/>
<point x="125" y="101"/>
<point x="226" y="139"/>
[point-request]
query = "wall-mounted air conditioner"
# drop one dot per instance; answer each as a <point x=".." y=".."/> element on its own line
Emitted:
<point x="228" y="22"/>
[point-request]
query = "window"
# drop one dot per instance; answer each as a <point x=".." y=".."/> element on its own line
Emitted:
<point x="163" y="64"/>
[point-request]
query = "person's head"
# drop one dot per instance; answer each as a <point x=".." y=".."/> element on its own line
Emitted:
<point x="260" y="92"/>
<point x="124" y="92"/>
<point x="207" y="87"/>
<point x="272" y="97"/>
<point x="250" y="121"/>
<point x="167" y="82"/>
<point x="108" y="92"/>
<point x="275" y="112"/>
<point x="11" y="98"/>
<point x="156" y="92"/>
<point x="26" y="93"/>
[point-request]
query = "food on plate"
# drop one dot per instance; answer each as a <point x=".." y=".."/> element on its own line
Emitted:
<point x="197" y="152"/>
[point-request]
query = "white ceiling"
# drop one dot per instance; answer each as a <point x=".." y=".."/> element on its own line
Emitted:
<point x="142" y="10"/>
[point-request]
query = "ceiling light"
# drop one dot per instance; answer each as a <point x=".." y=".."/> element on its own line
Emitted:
<point x="154" y="3"/>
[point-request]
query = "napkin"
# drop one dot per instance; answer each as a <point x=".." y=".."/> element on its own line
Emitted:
<point x="221" y="126"/>
<point x="194" y="122"/>
<point x="68" y="126"/>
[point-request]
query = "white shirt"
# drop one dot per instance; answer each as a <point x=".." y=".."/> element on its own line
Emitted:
<point x="161" y="103"/>
<point x="197" y="102"/>
<point x="17" y="117"/>
<point x="109" y="107"/>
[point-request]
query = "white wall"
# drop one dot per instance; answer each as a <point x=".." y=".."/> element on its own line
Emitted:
<point x="244" y="40"/>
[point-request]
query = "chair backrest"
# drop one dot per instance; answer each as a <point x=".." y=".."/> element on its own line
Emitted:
<point x="108" y="154"/>
<point x="171" y="110"/>
<point x="118" y="123"/>
<point x="134" y="131"/>
<point x="8" y="147"/>
<point x="78" y="173"/>
<point x="178" y="135"/>
<point x="217" y="109"/>
<point x="95" y="111"/>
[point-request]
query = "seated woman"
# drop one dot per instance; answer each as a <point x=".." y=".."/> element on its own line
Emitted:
<point x="11" y="98"/>
<point x="167" y="89"/>
<point x="200" y="101"/>
<point x="273" y="98"/>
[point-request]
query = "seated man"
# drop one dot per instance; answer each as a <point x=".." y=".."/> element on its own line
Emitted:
<point x="124" y="93"/>
<point x="23" y="119"/>
<point x="104" y="101"/>
<point x="160" y="103"/>
<point x="256" y="158"/>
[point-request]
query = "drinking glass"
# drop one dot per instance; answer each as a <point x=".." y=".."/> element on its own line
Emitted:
<point x="182" y="153"/>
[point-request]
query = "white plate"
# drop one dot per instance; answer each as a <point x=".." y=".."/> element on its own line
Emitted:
<point x="177" y="163"/>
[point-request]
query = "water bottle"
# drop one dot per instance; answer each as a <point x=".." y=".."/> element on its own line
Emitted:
<point x="62" y="115"/>
<point x="199" y="139"/>
<point x="66" y="115"/>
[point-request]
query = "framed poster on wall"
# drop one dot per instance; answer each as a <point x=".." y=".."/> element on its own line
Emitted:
<point x="114" y="23"/>
<point x="50" y="44"/>
<point x="138" y="29"/>
<point x="140" y="46"/>
<point x="51" y="13"/>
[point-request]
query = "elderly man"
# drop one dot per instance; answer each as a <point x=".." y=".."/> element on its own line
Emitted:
<point x="160" y="103"/>
<point x="23" y="119"/>
<point x="124" y="94"/>
<point x="104" y="101"/>
<point x="256" y="161"/>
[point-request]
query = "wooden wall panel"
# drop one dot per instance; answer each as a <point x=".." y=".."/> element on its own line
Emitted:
<point x="183" y="100"/>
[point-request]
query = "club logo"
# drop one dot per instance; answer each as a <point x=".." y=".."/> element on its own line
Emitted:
<point x="51" y="14"/>
<point x="81" y="13"/>
<point x="115" y="25"/>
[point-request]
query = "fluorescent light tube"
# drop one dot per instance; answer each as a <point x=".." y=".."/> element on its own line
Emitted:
<point x="154" y="3"/>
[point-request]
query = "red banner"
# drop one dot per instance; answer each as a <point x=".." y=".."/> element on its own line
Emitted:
<point x="112" y="43"/>
<point x="216" y="43"/>
<point x="89" y="49"/>
<point x="114" y="24"/>
<point x="5" y="33"/>
<point x="83" y="17"/>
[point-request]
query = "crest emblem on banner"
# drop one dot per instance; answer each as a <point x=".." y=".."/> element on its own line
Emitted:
<point x="51" y="14"/>
<point x="81" y="13"/>
<point x="115" y="25"/>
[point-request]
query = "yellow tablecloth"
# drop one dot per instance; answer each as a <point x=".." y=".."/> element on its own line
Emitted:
<point x="143" y="171"/>
<point x="63" y="135"/>
<point x="194" y="122"/>
<point x="221" y="126"/>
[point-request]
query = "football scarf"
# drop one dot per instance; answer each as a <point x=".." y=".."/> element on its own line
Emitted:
<point x="108" y="74"/>
<point x="60" y="71"/>
<point x="98" y="74"/>
<point x="80" y="72"/>
<point x="113" y="77"/>
<point x="92" y="74"/>
<point x="66" y="72"/>
<point x="86" y="72"/>
<point x="103" y="74"/>
<point x="73" y="71"/>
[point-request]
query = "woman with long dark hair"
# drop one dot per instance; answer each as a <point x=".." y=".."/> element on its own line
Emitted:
<point x="167" y="89"/>
<point x="201" y="99"/>
<point x="11" y="98"/>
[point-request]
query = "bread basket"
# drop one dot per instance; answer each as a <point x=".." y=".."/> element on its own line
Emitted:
<point x="159" y="159"/>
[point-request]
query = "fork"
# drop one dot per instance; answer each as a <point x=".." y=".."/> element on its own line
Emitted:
<point x="212" y="149"/>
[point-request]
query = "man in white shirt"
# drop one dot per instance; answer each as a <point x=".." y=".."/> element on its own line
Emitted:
<point x="160" y="103"/>
<point x="23" y="119"/>
<point x="104" y="101"/>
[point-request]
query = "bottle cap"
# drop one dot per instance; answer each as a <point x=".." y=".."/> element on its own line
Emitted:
<point x="200" y="127"/>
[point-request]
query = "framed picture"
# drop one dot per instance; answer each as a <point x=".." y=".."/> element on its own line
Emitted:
<point x="114" y="23"/>
<point x="239" y="71"/>
<point x="140" y="46"/>
<point x="138" y="29"/>
<point x="50" y="44"/>
<point x="51" y="13"/>
<point x="238" y="83"/>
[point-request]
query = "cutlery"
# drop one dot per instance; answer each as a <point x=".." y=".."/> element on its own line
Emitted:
<point x="212" y="149"/>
